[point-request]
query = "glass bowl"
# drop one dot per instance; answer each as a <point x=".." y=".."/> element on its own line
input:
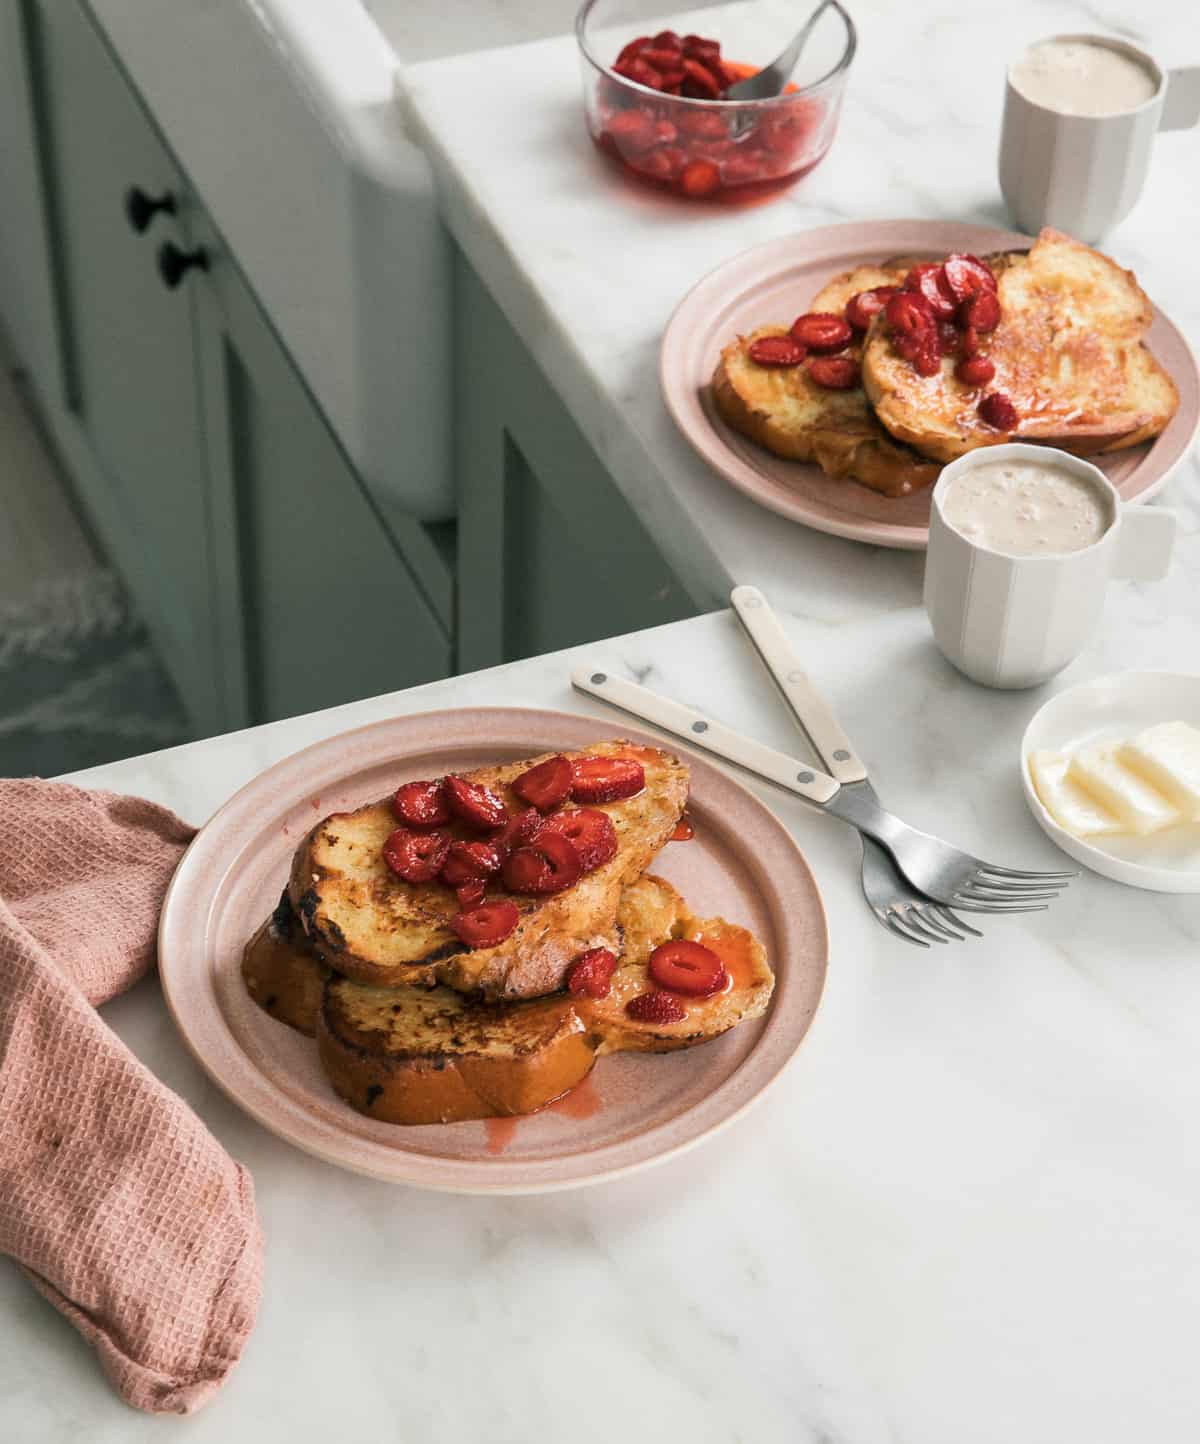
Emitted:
<point x="711" y="149"/>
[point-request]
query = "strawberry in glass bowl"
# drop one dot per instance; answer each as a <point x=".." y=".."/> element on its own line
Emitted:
<point x="656" y="100"/>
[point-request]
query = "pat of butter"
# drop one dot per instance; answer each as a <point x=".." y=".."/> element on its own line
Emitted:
<point x="1140" y="807"/>
<point x="1068" y="804"/>
<point x="1168" y="758"/>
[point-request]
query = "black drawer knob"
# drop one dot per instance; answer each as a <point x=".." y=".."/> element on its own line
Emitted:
<point x="140" y="209"/>
<point x="174" y="264"/>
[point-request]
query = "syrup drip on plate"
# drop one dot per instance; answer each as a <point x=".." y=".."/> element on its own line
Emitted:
<point x="684" y="831"/>
<point x="582" y="1101"/>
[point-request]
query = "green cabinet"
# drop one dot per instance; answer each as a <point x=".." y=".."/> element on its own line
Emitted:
<point x="269" y="578"/>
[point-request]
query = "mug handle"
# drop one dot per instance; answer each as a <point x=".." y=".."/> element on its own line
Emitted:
<point x="1181" y="108"/>
<point x="1144" y="543"/>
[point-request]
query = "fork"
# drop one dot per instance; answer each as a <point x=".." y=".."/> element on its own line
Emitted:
<point x="897" y="905"/>
<point x="945" y="874"/>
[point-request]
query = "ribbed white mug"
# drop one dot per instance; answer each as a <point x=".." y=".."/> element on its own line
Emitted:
<point x="1014" y="621"/>
<point x="1084" y="173"/>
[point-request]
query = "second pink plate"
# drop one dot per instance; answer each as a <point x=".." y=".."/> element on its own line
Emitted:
<point x="634" y="1109"/>
<point x="776" y="282"/>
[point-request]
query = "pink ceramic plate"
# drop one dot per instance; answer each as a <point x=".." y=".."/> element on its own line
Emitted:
<point x="632" y="1111"/>
<point x="776" y="282"/>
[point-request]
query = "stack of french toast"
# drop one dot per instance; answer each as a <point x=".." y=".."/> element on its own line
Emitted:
<point x="467" y="947"/>
<point x="900" y="367"/>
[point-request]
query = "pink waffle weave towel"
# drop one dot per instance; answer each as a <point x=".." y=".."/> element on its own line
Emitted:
<point x="115" y="1199"/>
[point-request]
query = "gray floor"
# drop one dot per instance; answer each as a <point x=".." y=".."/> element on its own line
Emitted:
<point x="79" y="682"/>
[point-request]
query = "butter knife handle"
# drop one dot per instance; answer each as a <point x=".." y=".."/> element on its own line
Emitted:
<point x="701" y="731"/>
<point x="819" y="724"/>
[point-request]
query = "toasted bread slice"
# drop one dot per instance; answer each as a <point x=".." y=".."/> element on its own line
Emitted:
<point x="1068" y="353"/>
<point x="412" y="1055"/>
<point x="371" y="926"/>
<point x="785" y="411"/>
<point x="282" y="973"/>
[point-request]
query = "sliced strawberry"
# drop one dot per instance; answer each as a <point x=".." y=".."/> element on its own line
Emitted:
<point x="667" y="40"/>
<point x="699" y="178"/>
<point x="661" y="165"/>
<point x="639" y="72"/>
<point x="981" y="312"/>
<point x="488" y="924"/>
<point x="908" y="312"/>
<point x="477" y="806"/>
<point x="997" y="410"/>
<point x="470" y="894"/>
<point x="416" y="856"/>
<point x="635" y="47"/>
<point x="470" y="861"/>
<point x="520" y="829"/>
<point x="663" y="60"/>
<point x="862" y="309"/>
<point x="592" y="832"/>
<point x="835" y="373"/>
<point x="686" y="967"/>
<point x="966" y="275"/>
<point x="606" y="779"/>
<point x="590" y="976"/>
<point x="701" y="49"/>
<point x="930" y="281"/>
<point x="549" y="864"/>
<point x="704" y="125"/>
<point x="632" y="130"/>
<point x="975" y="370"/>
<point x="421" y="804"/>
<point x="699" y="82"/>
<point x="776" y="351"/>
<point x="822" y="331"/>
<point x="545" y="785"/>
<point x="656" y="1008"/>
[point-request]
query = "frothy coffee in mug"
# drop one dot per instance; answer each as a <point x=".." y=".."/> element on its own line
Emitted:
<point x="1026" y="508"/>
<point x="1082" y="77"/>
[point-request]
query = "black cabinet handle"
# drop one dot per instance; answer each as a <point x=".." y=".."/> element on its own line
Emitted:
<point x="174" y="264"/>
<point x="140" y="209"/>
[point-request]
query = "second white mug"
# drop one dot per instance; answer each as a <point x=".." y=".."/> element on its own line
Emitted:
<point x="1014" y="621"/>
<point x="1084" y="173"/>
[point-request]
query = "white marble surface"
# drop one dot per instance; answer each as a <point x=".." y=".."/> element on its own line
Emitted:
<point x="966" y="1212"/>
<point x="588" y="270"/>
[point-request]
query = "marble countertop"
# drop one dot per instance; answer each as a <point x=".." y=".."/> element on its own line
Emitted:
<point x="965" y="1212"/>
<point x="588" y="270"/>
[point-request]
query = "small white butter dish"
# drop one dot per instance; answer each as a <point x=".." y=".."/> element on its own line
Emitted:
<point x="1104" y="711"/>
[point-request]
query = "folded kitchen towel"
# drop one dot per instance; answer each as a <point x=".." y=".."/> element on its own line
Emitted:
<point x="115" y="1199"/>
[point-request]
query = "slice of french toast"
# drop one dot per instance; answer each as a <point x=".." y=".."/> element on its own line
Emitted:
<point x="370" y="925"/>
<point x="412" y="1055"/>
<point x="785" y="411"/>
<point x="1068" y="353"/>
<point x="283" y="973"/>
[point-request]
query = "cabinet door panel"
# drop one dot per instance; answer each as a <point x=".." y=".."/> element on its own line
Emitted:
<point x="130" y="356"/>
<point x="315" y="593"/>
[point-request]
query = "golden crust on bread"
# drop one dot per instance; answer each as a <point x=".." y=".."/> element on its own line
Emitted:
<point x="413" y="1056"/>
<point x="374" y="927"/>
<point x="785" y="411"/>
<point x="1068" y="353"/>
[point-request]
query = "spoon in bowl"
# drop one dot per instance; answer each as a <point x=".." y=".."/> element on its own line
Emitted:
<point x="771" y="79"/>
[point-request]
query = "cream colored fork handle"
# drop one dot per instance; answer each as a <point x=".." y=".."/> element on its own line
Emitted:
<point x="701" y="731"/>
<point x="820" y="725"/>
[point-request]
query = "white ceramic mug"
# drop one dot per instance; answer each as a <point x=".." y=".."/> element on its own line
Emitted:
<point x="1083" y="173"/>
<point x="1014" y="621"/>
